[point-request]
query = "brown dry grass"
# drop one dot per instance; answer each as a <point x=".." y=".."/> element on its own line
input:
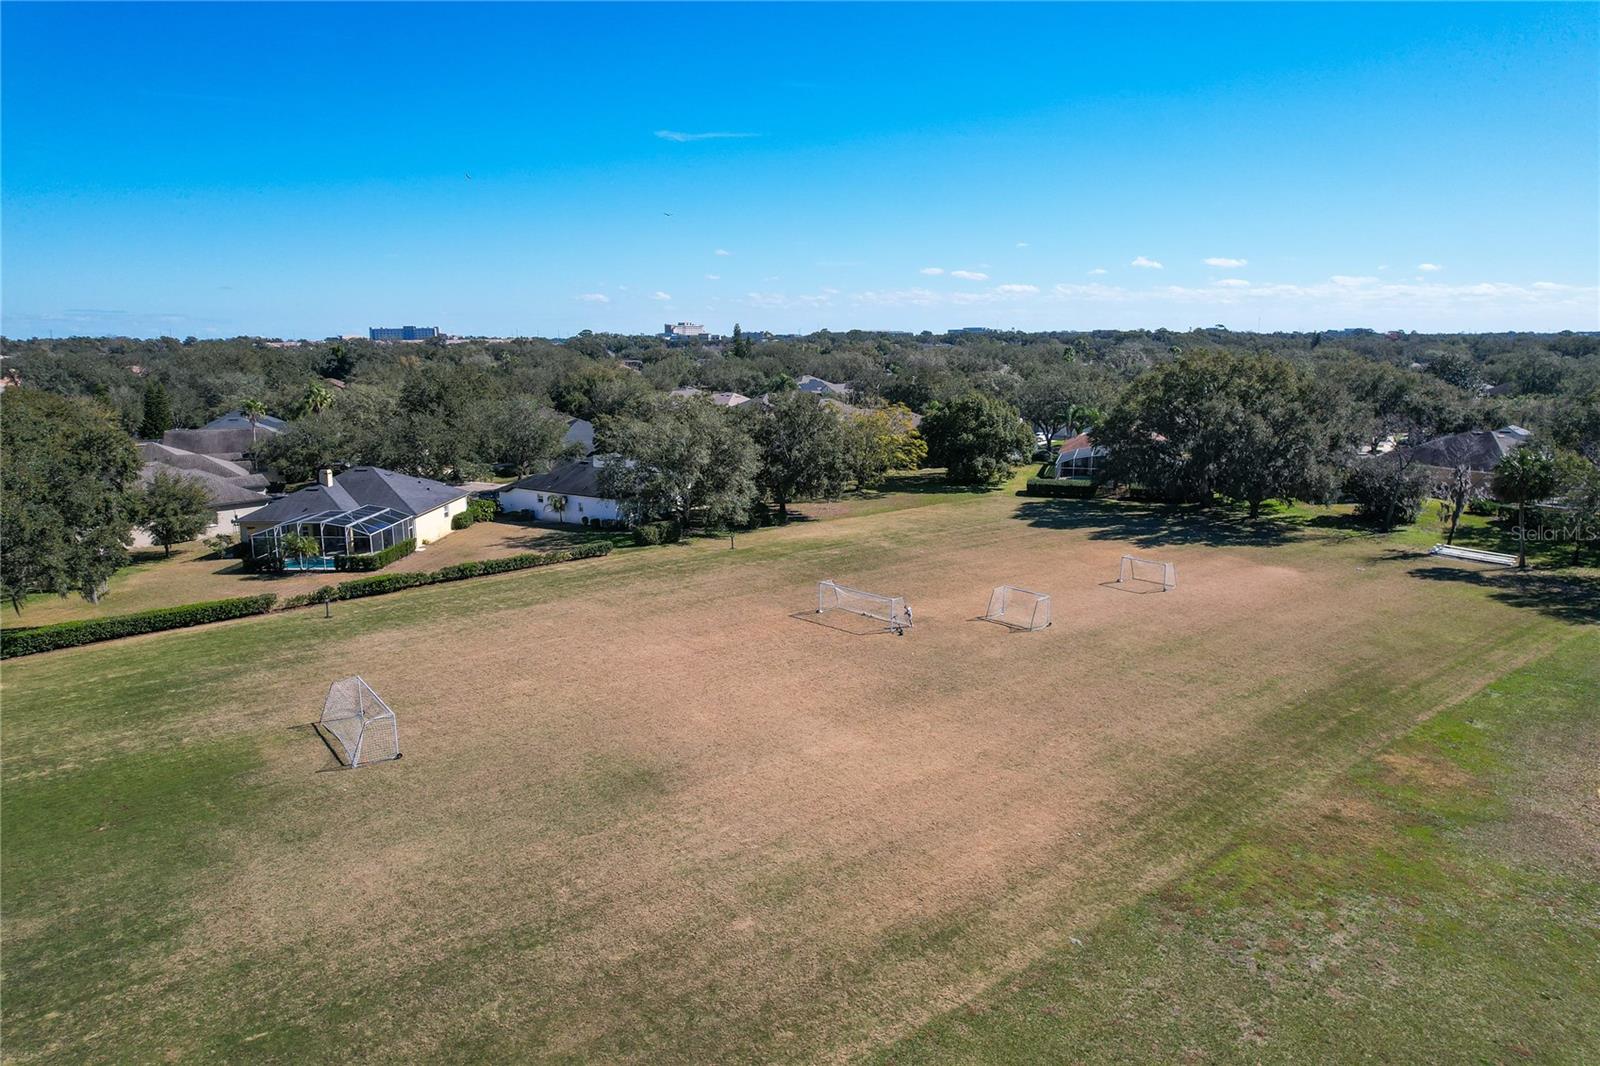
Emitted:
<point x="656" y="814"/>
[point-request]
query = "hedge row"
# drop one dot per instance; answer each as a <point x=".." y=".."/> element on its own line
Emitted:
<point x="657" y="533"/>
<point x="478" y="510"/>
<point x="376" y="560"/>
<point x="71" y="634"/>
<point x="382" y="584"/>
<point x="1043" y="486"/>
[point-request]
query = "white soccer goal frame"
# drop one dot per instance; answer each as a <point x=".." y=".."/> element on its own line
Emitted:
<point x="363" y="724"/>
<point x="1018" y="608"/>
<point x="1128" y="572"/>
<point x="890" y="610"/>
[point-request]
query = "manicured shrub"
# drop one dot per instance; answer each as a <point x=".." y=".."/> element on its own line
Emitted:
<point x="1043" y="486"/>
<point x="657" y="533"/>
<point x="462" y="520"/>
<point x="482" y="510"/>
<point x="382" y="584"/>
<point x="30" y="641"/>
<point x="376" y="560"/>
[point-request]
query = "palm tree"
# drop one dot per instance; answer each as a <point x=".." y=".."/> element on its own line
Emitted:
<point x="558" y="504"/>
<point x="255" y="411"/>
<point x="318" y="398"/>
<point x="299" y="545"/>
<point x="1526" y="476"/>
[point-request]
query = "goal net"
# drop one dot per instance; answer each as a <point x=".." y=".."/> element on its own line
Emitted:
<point x="1018" y="608"/>
<point x="361" y="722"/>
<point x="1135" y="570"/>
<point x="891" y="610"/>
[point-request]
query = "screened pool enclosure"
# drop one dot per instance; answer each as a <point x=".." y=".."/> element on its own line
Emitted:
<point x="359" y="532"/>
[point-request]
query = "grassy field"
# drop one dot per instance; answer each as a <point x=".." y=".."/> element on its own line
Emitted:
<point x="654" y="809"/>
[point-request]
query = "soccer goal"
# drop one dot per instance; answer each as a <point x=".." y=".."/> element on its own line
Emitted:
<point x="1137" y="571"/>
<point x="891" y="610"/>
<point x="1018" y="608"/>
<point x="361" y="722"/>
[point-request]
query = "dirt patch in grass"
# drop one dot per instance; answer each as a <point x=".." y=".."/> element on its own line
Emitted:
<point x="1554" y="805"/>
<point x="648" y="812"/>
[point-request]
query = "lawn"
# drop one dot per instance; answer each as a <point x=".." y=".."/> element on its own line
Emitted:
<point x="193" y="575"/>
<point x="654" y="809"/>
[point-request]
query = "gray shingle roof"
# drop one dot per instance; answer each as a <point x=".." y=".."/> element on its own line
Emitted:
<point x="574" y="478"/>
<point x="1479" y="449"/>
<point x="581" y="433"/>
<point x="372" y="485"/>
<point x="310" y="500"/>
<point x="237" y="420"/>
<point x="224" y="494"/>
<point x="152" y="452"/>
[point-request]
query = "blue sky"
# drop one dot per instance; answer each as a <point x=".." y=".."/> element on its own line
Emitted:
<point x="302" y="170"/>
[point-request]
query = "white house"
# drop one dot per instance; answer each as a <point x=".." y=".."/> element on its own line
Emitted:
<point x="569" y="493"/>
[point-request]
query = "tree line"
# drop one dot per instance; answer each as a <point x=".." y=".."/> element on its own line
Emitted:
<point x="1185" y="416"/>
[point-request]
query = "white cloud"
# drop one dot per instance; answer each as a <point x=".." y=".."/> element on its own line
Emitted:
<point x="1098" y="270"/>
<point x="1148" y="264"/>
<point x="1344" y="299"/>
<point x="715" y="135"/>
<point x="781" y="300"/>
<point x="713" y="277"/>
<point x="1224" y="261"/>
<point x="595" y="298"/>
<point x="1429" y="268"/>
<point x="897" y="297"/>
<point x="931" y="270"/>
<point x="722" y="251"/>
<point x="969" y="275"/>
<point x="1022" y="244"/>
<point x="659" y="295"/>
<point x="1095" y="291"/>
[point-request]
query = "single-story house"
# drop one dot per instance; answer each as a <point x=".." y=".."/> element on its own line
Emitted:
<point x="811" y="383"/>
<point x="1480" y="450"/>
<point x="230" y="502"/>
<point x="568" y="493"/>
<point x="729" y="399"/>
<point x="362" y="510"/>
<point x="230" y="436"/>
<point x="1080" y="459"/>
<point x="166" y="455"/>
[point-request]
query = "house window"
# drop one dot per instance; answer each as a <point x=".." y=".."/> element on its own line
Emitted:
<point x="541" y="499"/>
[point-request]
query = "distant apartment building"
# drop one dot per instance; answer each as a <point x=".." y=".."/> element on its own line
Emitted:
<point x="683" y="329"/>
<point x="403" y="333"/>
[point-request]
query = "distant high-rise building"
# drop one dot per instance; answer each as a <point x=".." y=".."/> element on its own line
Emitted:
<point x="403" y="333"/>
<point x="683" y="329"/>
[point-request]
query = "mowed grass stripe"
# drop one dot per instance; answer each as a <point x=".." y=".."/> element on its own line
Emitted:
<point x="584" y="886"/>
<point x="1397" y="915"/>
